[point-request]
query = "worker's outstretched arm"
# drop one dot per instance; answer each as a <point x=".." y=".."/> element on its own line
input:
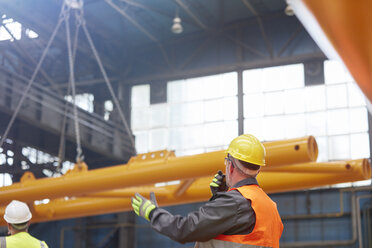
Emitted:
<point x="229" y="213"/>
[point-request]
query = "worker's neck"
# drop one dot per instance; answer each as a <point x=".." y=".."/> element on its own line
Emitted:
<point x="13" y="231"/>
<point x="237" y="177"/>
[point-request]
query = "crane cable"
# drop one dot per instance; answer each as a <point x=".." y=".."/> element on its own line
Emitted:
<point x="79" y="151"/>
<point x="107" y="81"/>
<point x="62" y="142"/>
<point x="80" y="21"/>
<point x="64" y="16"/>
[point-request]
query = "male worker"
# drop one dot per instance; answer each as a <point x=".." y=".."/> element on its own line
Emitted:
<point x="18" y="216"/>
<point x="243" y="216"/>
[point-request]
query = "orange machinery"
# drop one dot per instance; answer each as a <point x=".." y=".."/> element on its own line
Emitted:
<point x="344" y="32"/>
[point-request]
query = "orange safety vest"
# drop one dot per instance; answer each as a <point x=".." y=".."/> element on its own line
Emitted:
<point x="268" y="227"/>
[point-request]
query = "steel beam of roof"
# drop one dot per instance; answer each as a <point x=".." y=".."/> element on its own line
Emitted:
<point x="23" y="51"/>
<point x="290" y="40"/>
<point x="44" y="30"/>
<point x="152" y="9"/>
<point x="265" y="62"/>
<point x="191" y="14"/>
<point x="131" y="20"/>
<point x="260" y="24"/>
<point x="196" y="52"/>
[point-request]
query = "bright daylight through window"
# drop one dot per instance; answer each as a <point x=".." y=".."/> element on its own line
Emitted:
<point x="11" y="29"/>
<point x="277" y="105"/>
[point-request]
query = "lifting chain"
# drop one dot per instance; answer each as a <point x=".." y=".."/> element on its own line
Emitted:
<point x="109" y="86"/>
<point x="79" y="151"/>
<point x="62" y="143"/>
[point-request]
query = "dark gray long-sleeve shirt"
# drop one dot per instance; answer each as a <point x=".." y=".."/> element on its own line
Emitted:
<point x="227" y="213"/>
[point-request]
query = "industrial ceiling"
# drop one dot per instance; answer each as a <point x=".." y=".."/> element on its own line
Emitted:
<point x="136" y="44"/>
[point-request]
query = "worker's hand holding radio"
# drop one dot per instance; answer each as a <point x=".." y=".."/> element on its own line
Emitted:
<point x="218" y="183"/>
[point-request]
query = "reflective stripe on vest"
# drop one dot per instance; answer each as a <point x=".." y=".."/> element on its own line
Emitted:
<point x="268" y="227"/>
<point x="214" y="243"/>
<point x="3" y="243"/>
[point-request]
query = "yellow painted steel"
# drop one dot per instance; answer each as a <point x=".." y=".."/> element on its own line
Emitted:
<point x="148" y="168"/>
<point x="137" y="172"/>
<point x="183" y="186"/>
<point x="347" y="25"/>
<point x="291" y="151"/>
<point x="128" y="192"/>
<point x="286" y="179"/>
<point x="271" y="182"/>
<point x="325" y="167"/>
<point x="274" y="182"/>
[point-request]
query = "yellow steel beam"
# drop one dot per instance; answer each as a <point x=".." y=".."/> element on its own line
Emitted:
<point x="271" y="182"/>
<point x="291" y="151"/>
<point x="274" y="182"/>
<point x="128" y="192"/>
<point x="148" y="168"/>
<point x="182" y="188"/>
<point x="284" y="178"/>
<point x="348" y="166"/>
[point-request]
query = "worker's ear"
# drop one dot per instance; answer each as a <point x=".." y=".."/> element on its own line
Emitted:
<point x="231" y="167"/>
<point x="9" y="227"/>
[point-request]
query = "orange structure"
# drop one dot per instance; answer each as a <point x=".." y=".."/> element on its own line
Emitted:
<point x="346" y="25"/>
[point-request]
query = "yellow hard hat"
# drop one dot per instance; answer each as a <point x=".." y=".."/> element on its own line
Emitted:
<point x="247" y="148"/>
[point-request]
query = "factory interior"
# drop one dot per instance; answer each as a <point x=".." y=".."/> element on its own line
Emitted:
<point x="100" y="99"/>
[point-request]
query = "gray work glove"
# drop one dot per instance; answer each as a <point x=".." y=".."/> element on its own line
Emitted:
<point x="142" y="206"/>
<point x="218" y="183"/>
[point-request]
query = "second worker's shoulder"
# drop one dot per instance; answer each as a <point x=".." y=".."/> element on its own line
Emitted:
<point x="231" y="195"/>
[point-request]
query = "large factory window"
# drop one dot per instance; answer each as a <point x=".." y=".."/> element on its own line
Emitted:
<point x="83" y="101"/>
<point x="203" y="113"/>
<point x="269" y="95"/>
<point x="6" y="158"/>
<point x="140" y="119"/>
<point x="347" y="116"/>
<point x="11" y="29"/>
<point x="108" y="108"/>
<point x="200" y="115"/>
<point x="277" y="105"/>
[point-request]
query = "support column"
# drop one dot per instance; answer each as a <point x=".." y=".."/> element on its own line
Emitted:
<point x="370" y="131"/>
<point x="239" y="59"/>
<point x="240" y="103"/>
<point x="99" y="102"/>
<point x="124" y="97"/>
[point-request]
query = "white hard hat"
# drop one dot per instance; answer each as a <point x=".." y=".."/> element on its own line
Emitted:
<point x="17" y="212"/>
